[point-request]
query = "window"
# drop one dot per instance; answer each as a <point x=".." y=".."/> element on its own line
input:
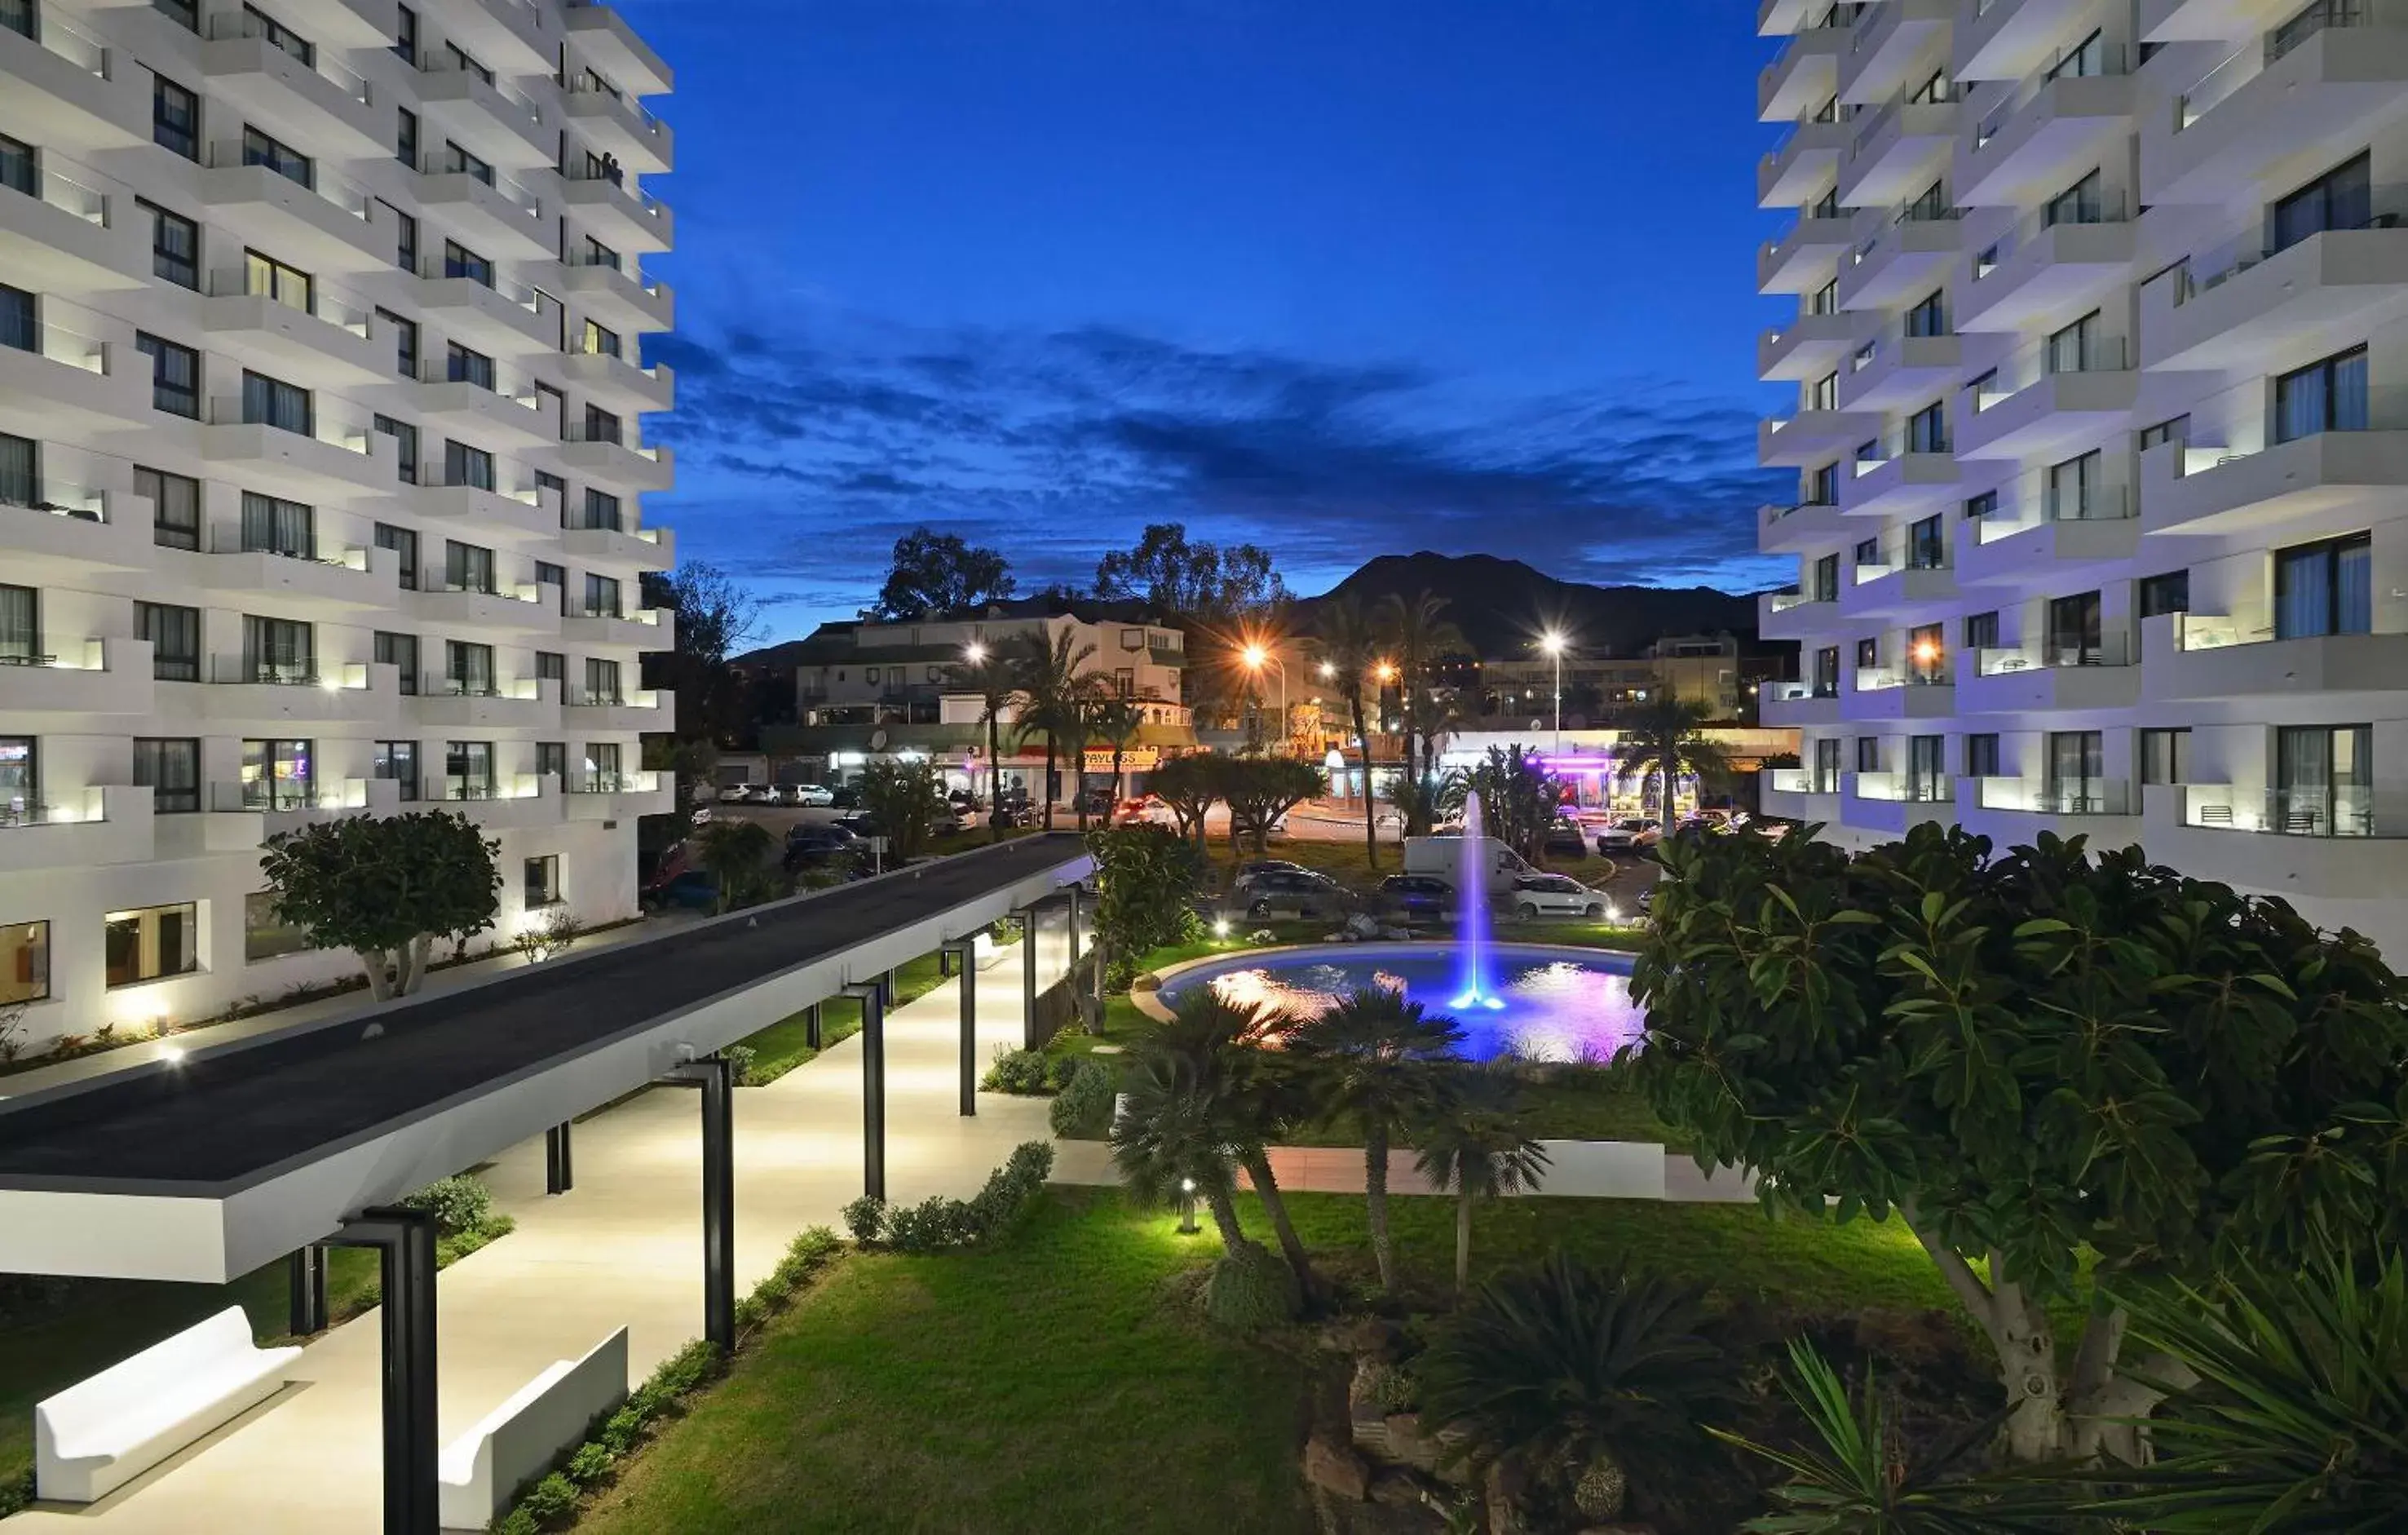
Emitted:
<point x="400" y="653"/>
<point x="1932" y="204"/>
<point x="602" y="597"/>
<point x="148" y="945"/>
<point x="175" y="374"/>
<point x="1823" y="393"/>
<point x="278" y="651"/>
<point x="602" y="681"/>
<point x="175" y="635"/>
<point x="2176" y="430"/>
<point x="21" y="779"/>
<point x="468" y="670"/>
<point x="465" y="465"/>
<point x="272" y="402"/>
<point x="1867" y="654"/>
<point x="1938" y="88"/>
<point x="459" y="162"/>
<point x="1825" y="299"/>
<point x="601" y="425"/>
<point x="1823" y="490"/>
<point x="2169" y="593"/>
<point x="1825" y="680"/>
<point x="396" y="761"/>
<point x="462" y="365"/>
<point x="2073" y="488"/>
<point x="2077" y="349"/>
<point x="404" y="543"/>
<point x="542" y="881"/>
<point x="2340" y="198"/>
<point x="1982" y="386"/>
<point x="468" y="770"/>
<point x="598" y="254"/>
<point x="2086" y="57"/>
<point x="1827" y="766"/>
<point x="175" y="245"/>
<point x="404" y="342"/>
<point x="549" y="574"/>
<point x="1982" y="505"/>
<point x="405" y="38"/>
<point x="18" y="171"/>
<point x="601" y="510"/>
<point x="405" y="240"/>
<point x="459" y="261"/>
<point x="466" y="63"/>
<point x="265" y="935"/>
<point x="20" y="471"/>
<point x="544" y="479"/>
<point x="277" y="775"/>
<point x="258" y="23"/>
<point x="405" y="447"/>
<point x="2077" y="769"/>
<point x="1869" y="754"/>
<point x="1927" y="768"/>
<point x="551" y="761"/>
<point x="185" y="11"/>
<point x="1982" y="755"/>
<point x="2326" y="397"/>
<point x="1926" y="548"/>
<point x="274" y="526"/>
<point x="2325" y="588"/>
<point x="602" y="775"/>
<point x="24" y="962"/>
<point x="599" y="339"/>
<point x="21" y="626"/>
<point x="174" y="118"/>
<point x="171" y="770"/>
<point x="1927" y="653"/>
<point x="175" y="507"/>
<point x="2311" y="18"/>
<point x="1867" y="552"/>
<point x="468" y="568"/>
<point x="2165" y="755"/>
<point x="2076" y="630"/>
<point x="405" y="138"/>
<point x="1927" y="430"/>
<point x="1826" y="206"/>
<point x="551" y="666"/>
<point x="1982" y="631"/>
<point x="2324" y="780"/>
<point x="1825" y="587"/>
<point x="258" y="149"/>
<point x="869" y="674"/>
<point x="1928" y="318"/>
<point x="2077" y="204"/>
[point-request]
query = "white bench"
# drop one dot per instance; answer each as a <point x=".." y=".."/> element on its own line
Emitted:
<point x="100" y="1433"/>
<point x="484" y="1468"/>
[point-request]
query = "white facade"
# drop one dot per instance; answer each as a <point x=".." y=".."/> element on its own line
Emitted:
<point x="320" y="467"/>
<point x="2102" y="430"/>
<point x="887" y="667"/>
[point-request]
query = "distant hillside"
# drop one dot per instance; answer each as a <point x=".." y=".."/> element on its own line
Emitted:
<point x="1501" y="604"/>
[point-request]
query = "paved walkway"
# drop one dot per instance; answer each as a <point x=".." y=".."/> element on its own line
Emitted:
<point x="1579" y="1170"/>
<point x="625" y="1248"/>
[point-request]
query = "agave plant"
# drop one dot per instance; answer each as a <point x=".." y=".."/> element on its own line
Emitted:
<point x="1568" y="1375"/>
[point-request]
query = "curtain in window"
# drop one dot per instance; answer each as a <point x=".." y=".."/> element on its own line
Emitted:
<point x="2349" y="394"/>
<point x="602" y="681"/>
<point x="471" y="668"/>
<point x="21" y="482"/>
<point x="175" y="635"/>
<point x="2075" y="628"/>
<point x="2076" y="763"/>
<point x="19" y="328"/>
<point x="20" y="624"/>
<point x="17" y="166"/>
<point x="279" y="527"/>
<point x="275" y="650"/>
<point x="171" y="769"/>
<point x="272" y="402"/>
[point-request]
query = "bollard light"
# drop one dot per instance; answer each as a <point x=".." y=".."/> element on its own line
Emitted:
<point x="1187" y="1207"/>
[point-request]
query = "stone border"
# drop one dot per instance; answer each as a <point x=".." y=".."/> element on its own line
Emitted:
<point x="1149" y="1001"/>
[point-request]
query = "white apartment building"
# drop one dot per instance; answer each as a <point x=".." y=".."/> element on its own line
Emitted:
<point x="2102" y="431"/>
<point x="319" y="471"/>
<point x="918" y="669"/>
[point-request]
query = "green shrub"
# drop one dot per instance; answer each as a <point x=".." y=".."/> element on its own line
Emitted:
<point x="16" y="1494"/>
<point x="622" y="1430"/>
<point x="1083" y="1111"/>
<point x="1059" y="1069"/>
<point x="458" y="1203"/>
<point x="590" y="1464"/>
<point x="1250" y="1289"/>
<point x="866" y="1218"/>
<point x="520" y="1522"/>
<point x="932" y="1225"/>
<point x="740" y="1056"/>
<point x="552" y="1498"/>
<point x="1021" y="1071"/>
<point x="688" y="1368"/>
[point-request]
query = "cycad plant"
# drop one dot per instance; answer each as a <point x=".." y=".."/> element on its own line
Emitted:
<point x="1479" y="1145"/>
<point x="1170" y="1141"/>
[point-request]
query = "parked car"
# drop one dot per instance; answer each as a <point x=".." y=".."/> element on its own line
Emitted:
<point x="1554" y="895"/>
<point x="760" y="794"/>
<point x="732" y="793"/>
<point x="1630" y="834"/>
<point x="826" y="831"/>
<point x="1413" y="896"/>
<point x="1565" y="840"/>
<point x="1254" y="869"/>
<point x="692" y="888"/>
<point x="846" y="799"/>
<point x="813" y="794"/>
<point x="1299" y="893"/>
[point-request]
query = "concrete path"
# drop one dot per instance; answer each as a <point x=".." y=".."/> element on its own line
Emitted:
<point x="623" y="1248"/>
<point x="1580" y="1169"/>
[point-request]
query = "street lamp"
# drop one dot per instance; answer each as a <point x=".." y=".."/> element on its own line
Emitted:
<point x="1553" y="643"/>
<point x="1187" y="1207"/>
<point x="1256" y="658"/>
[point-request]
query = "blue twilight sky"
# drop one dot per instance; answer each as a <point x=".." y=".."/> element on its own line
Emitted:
<point x="1342" y="277"/>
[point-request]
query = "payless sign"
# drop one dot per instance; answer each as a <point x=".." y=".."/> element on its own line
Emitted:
<point x="1137" y="759"/>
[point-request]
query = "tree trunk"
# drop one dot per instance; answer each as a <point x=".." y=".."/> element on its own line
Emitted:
<point x="1462" y="1244"/>
<point x="993" y="779"/>
<point x="381" y="969"/>
<point x="1048" y="782"/>
<point x="1267" y="1189"/>
<point x="1370" y="815"/>
<point x="1120" y="790"/>
<point x="1375" y="1201"/>
<point x="1225" y="1217"/>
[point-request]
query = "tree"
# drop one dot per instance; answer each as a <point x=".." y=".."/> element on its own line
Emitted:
<point x="1116" y="722"/>
<point x="1519" y="799"/>
<point x="1569" y="1374"/>
<point x="1666" y="737"/>
<point x="1481" y="1146"/>
<point x="385" y="887"/>
<point x="1202" y="582"/>
<point x="1383" y="1062"/>
<point x="935" y="573"/>
<point x="1350" y="647"/>
<point x="2024" y="1059"/>
<point x="1260" y="790"/>
<point x="994" y="674"/>
<point x="1170" y="1141"/>
<point x="1190" y="784"/>
<point x="714" y="618"/>
<point x="903" y="795"/>
<point x="1047" y="664"/>
<point x="1418" y="632"/>
<point x="1147" y="879"/>
<point x="737" y="855"/>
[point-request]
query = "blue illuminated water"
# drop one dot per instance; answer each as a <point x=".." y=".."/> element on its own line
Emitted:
<point x="1475" y="989"/>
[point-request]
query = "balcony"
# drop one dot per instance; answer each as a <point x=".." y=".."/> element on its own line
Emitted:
<point x="2007" y="42"/>
<point x="620" y="214"/>
<point x="1891" y="804"/>
<point x="2048" y="676"/>
<point x="1902" y="370"/>
<point x="1895" y="584"/>
<point x="603" y="35"/>
<point x="1799" y="705"/>
<point x="499" y="217"/>
<point x="645" y="630"/>
<point x="2209" y="655"/>
<point x="2228" y="493"/>
<point x="509" y="36"/>
<point x="501" y="322"/>
<point x="2050" y="269"/>
<point x="1904" y="262"/>
<point x="1886" y="43"/>
<point x="621" y="297"/>
<point x="243" y="815"/>
<point x="334" y="344"/>
<point x="2030" y="147"/>
<point x="78" y="677"/>
<point x="1793" y="793"/>
<point x="321" y="105"/>
<point x="70" y="90"/>
<point x="84" y="828"/>
<point x="327" y="228"/>
<point x="515" y="802"/>
<point x="647" y="549"/>
<point x="2251" y="119"/>
<point x="1808" y="347"/>
<point x="2014" y="811"/>
<point x="527" y="703"/>
<point x="2268" y="314"/>
<point x="322" y="580"/>
<point x="518" y="512"/>
<point x="519" y="610"/>
<point x="1803" y="164"/>
<point x="1810" y="524"/>
<point x="1897" y="152"/>
<point x="2030" y="545"/>
<point x="1902" y="484"/>
<point x="1811" y="437"/>
<point x="68" y="531"/>
<point x="617" y="384"/>
<point x="2054" y="414"/>
<point x="1895" y="693"/>
<point x="494" y="120"/>
<point x="1803" y="258"/>
<point x="620" y="126"/>
<point x="337" y="458"/>
<point x="246" y="693"/>
<point x="1786" y="614"/>
<point x="615" y="461"/>
<point x="507" y="408"/>
<point x="1805" y="75"/>
<point x="342" y="23"/>
<point x="636" y="713"/>
<point x="2335" y="844"/>
<point x="620" y="796"/>
<point x="55" y="381"/>
<point x="67" y="234"/>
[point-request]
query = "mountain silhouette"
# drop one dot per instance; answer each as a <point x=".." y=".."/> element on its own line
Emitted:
<point x="1502" y="605"/>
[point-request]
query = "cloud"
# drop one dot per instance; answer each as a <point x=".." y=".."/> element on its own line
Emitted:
<point x="805" y="455"/>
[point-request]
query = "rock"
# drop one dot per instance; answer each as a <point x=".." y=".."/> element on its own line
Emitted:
<point x="1395" y="935"/>
<point x="1500" y="1492"/>
<point x="1395" y="1489"/>
<point x="1336" y="1469"/>
<point x="1362" y="1335"/>
<point x="1380" y="1386"/>
<point x="1407" y="1444"/>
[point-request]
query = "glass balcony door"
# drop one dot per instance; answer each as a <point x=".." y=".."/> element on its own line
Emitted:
<point x="2077" y="770"/>
<point x="2324" y="780"/>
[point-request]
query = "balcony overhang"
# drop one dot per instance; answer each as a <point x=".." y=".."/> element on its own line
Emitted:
<point x="2056" y="412"/>
<point x="2321" y="101"/>
<point x="2328" y="472"/>
<point x="2063" y="269"/>
<point x="2306" y="301"/>
<point x="2046" y="144"/>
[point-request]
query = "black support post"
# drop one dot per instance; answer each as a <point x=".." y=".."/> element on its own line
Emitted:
<point x="811" y="1025"/>
<point x="945" y="962"/>
<point x="405" y="1244"/>
<point x="559" y="1158"/>
<point x="886" y="989"/>
<point x="1030" y="919"/>
<point x="1070" y="924"/>
<point x="873" y="1087"/>
<point x="309" y="1291"/>
<point x="717" y="1078"/>
<point x="963" y="957"/>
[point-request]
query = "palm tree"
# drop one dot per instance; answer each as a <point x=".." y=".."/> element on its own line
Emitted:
<point x="1117" y="721"/>
<point x="737" y="855"/>
<point x="1256" y="1091"/>
<point x="1350" y="647"/>
<point x="1384" y="1062"/>
<point x="1565" y="1374"/>
<point x="1666" y="737"/>
<point x="1479" y="1146"/>
<point x="1170" y="1141"/>
<point x="1418" y="631"/>
<point x="994" y="677"/>
<point x="1047" y="666"/>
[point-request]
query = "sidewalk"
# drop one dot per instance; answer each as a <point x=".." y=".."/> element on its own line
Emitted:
<point x="1578" y="1169"/>
<point x="623" y="1248"/>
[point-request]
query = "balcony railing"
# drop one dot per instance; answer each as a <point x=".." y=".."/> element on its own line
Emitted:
<point x="56" y="497"/>
<point x="337" y="191"/>
<point x="1905" y="788"/>
<point x="1884" y="678"/>
<point x="2063" y="797"/>
<point x="2107" y="650"/>
<point x="2031" y="365"/>
<point x="2247" y="61"/>
<point x="75" y="198"/>
<point x="275" y="794"/>
<point x="445" y="64"/>
<point x="61" y="37"/>
<point x="323" y="302"/>
<point x="249" y="23"/>
<point x="626" y="267"/>
<point x="1783" y="601"/>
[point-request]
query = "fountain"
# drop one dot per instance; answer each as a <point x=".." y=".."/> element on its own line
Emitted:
<point x="1474" y="987"/>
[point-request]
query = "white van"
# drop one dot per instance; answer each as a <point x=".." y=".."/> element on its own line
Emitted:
<point x="1441" y="857"/>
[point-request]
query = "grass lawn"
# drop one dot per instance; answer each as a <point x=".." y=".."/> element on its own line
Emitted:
<point x="1580" y="1105"/>
<point x="785" y="1044"/>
